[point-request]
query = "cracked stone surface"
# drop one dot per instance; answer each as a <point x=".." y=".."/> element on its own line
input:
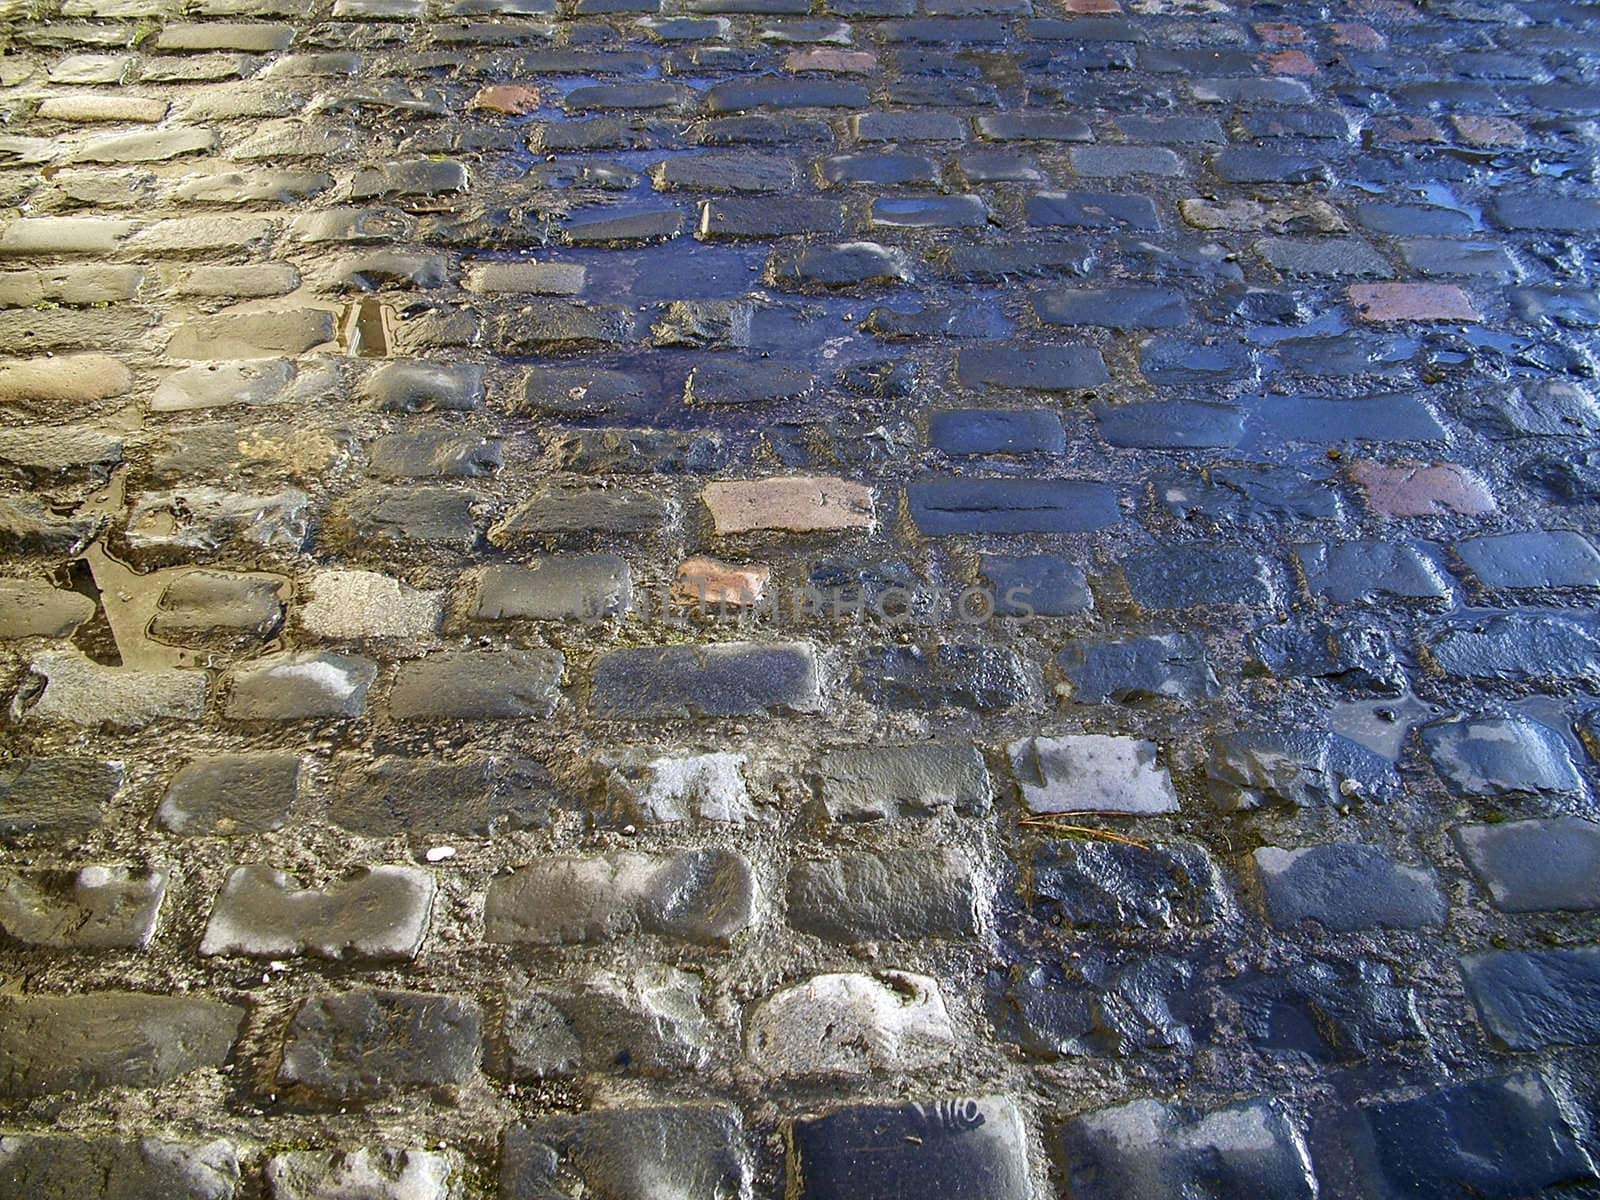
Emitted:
<point x="791" y="599"/>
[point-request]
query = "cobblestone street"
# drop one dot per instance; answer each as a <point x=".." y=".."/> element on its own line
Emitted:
<point x="799" y="600"/>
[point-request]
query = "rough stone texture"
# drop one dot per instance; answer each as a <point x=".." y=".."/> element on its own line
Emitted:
<point x="81" y="692"/>
<point x="684" y="1150"/>
<point x="710" y="496"/>
<point x="71" y="1167"/>
<point x="871" y="783"/>
<point x="706" y="896"/>
<point x="363" y="604"/>
<point x="1108" y="885"/>
<point x="802" y="504"/>
<point x="56" y="797"/>
<point x="667" y="789"/>
<point x="650" y="1021"/>
<point x="478" y="684"/>
<point x="95" y="908"/>
<point x="1306" y="768"/>
<point x="360" y="1045"/>
<point x="476" y="797"/>
<point x="1504" y="1136"/>
<point x="852" y="1025"/>
<point x="1536" y="998"/>
<point x="897" y="895"/>
<point x="380" y="913"/>
<point x="385" y="1173"/>
<point x="728" y="679"/>
<point x="109" y="1039"/>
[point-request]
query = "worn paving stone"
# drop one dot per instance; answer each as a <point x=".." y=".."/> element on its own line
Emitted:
<point x="1168" y="1151"/>
<point x="1320" y="1011"/>
<point x="478" y="685"/>
<point x="872" y="783"/>
<point x="220" y="610"/>
<point x="686" y="1149"/>
<point x="33" y="608"/>
<point x="364" y="604"/>
<point x="1500" y="1136"/>
<point x="795" y="504"/>
<point x="1190" y="576"/>
<point x="649" y="1021"/>
<point x="726" y="679"/>
<point x="362" y="1045"/>
<point x="984" y="678"/>
<point x="379" y="913"/>
<point x="1091" y="773"/>
<point x="965" y="1148"/>
<point x="1537" y="865"/>
<point x="852" y="1025"/>
<point x="1490" y="645"/>
<point x="957" y="505"/>
<point x="299" y="685"/>
<point x="1031" y="585"/>
<point x="84" y="1043"/>
<point x="1347" y="887"/>
<point x="1163" y="666"/>
<point x="1097" y="1005"/>
<point x="556" y="587"/>
<point x="1528" y="561"/>
<point x="1114" y="308"/>
<point x="1305" y="768"/>
<point x="477" y="797"/>
<point x="94" y="908"/>
<point x="697" y="896"/>
<point x="1373" y="571"/>
<point x="665" y="789"/>
<point x="1532" y="999"/>
<point x="1501" y="756"/>
<point x="78" y="1167"/>
<point x="231" y="794"/>
<point x="897" y="895"/>
<point x="1422" y="489"/>
<point x="80" y="691"/>
<point x="647" y="468"/>
<point x="379" y="1173"/>
<point x="1358" y="656"/>
<point x="1106" y="885"/>
<point x="58" y="797"/>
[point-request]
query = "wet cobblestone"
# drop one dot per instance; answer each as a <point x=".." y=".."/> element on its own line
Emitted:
<point x="798" y="598"/>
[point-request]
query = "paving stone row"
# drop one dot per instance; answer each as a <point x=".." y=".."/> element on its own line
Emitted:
<point x="809" y="598"/>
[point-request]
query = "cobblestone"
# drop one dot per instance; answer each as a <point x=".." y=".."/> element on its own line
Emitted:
<point x="740" y="598"/>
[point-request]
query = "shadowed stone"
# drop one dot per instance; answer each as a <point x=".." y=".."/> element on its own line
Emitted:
<point x="1347" y="887"/>
<point x="77" y="1167"/>
<point x="87" y="1043"/>
<point x="365" y="1045"/>
<point x="962" y="1149"/>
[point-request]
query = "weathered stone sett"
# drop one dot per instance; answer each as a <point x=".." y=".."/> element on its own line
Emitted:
<point x="418" y="425"/>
